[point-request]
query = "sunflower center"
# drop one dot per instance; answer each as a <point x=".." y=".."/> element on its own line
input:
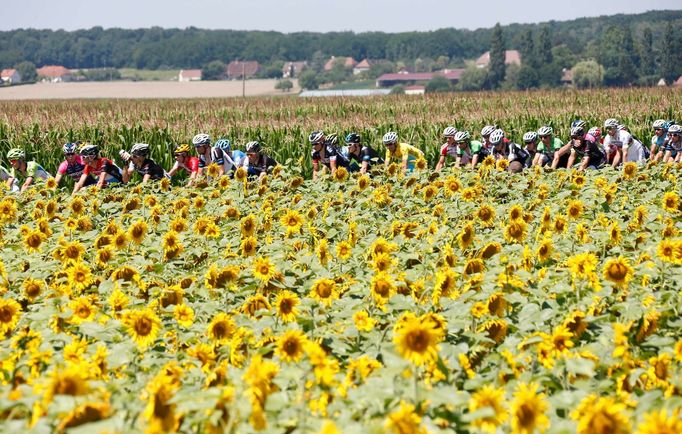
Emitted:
<point x="417" y="341"/>
<point x="143" y="326"/>
<point x="5" y="315"/>
<point x="618" y="272"/>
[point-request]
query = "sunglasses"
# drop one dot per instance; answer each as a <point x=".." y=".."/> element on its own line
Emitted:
<point x="181" y="154"/>
<point x="674" y="134"/>
<point x="71" y="154"/>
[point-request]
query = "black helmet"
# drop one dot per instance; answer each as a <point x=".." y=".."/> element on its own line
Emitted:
<point x="353" y="138"/>
<point x="333" y="139"/>
<point x="253" y="147"/>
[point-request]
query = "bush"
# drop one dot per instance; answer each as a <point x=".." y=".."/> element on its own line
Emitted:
<point x="284" y="85"/>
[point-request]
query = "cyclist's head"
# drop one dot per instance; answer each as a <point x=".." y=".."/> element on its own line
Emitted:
<point x="16" y="154"/>
<point x="182" y="150"/>
<point x="595" y="132"/>
<point x="201" y="140"/>
<point x="579" y="123"/>
<point x="530" y="137"/>
<point x="89" y="151"/>
<point x="487" y="131"/>
<point x="674" y="131"/>
<point x="253" y="148"/>
<point x="223" y="144"/>
<point x="70" y="149"/>
<point x="462" y="137"/>
<point x="659" y="126"/>
<point x="545" y="132"/>
<point x="390" y="139"/>
<point x="497" y="137"/>
<point x="577" y="133"/>
<point x="611" y="126"/>
<point x="449" y="132"/>
<point x="353" y="139"/>
<point x="316" y="138"/>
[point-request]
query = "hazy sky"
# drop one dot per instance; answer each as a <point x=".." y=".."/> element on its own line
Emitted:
<point x="307" y="15"/>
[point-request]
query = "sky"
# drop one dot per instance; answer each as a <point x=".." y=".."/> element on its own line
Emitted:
<point x="308" y="15"/>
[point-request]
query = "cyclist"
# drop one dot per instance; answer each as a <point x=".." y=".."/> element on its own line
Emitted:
<point x="449" y="148"/>
<point x="585" y="147"/>
<point x="185" y="162"/>
<point x="405" y="152"/>
<point x="138" y="161"/>
<point x="257" y="163"/>
<point x="530" y="140"/>
<point x="673" y="148"/>
<point x="360" y="156"/>
<point x="325" y="153"/>
<point x="73" y="165"/>
<point x="202" y="144"/>
<point x="104" y="171"/>
<point x="658" y="140"/>
<point x="487" y="147"/>
<point x="469" y="152"/>
<point x="616" y="142"/>
<point x="23" y="172"/>
<point x="224" y="157"/>
<point x="547" y="147"/>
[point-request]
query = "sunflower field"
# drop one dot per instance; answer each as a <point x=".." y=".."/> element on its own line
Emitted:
<point x="469" y="302"/>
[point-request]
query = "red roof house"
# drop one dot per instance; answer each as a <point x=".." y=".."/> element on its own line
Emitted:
<point x="189" y="75"/>
<point x="348" y="63"/>
<point x="242" y="69"/>
<point x="389" y="80"/>
<point x="10" y="76"/>
<point x="511" y="57"/>
<point x="54" y="73"/>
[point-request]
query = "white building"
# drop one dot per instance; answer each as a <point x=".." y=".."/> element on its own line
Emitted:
<point x="190" y="75"/>
<point x="10" y="76"/>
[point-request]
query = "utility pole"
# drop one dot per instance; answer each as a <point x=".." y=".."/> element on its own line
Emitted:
<point x="243" y="79"/>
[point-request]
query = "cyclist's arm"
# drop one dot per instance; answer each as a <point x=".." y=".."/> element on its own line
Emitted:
<point x="585" y="162"/>
<point x="332" y="165"/>
<point x="126" y="174"/>
<point x="474" y="160"/>
<point x="316" y="168"/>
<point x="27" y="183"/>
<point x="571" y="160"/>
<point x="80" y="183"/>
<point x="441" y="162"/>
<point x="365" y="167"/>
<point x="102" y="178"/>
<point x="145" y="178"/>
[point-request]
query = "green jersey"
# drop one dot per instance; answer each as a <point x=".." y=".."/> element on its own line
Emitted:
<point x="33" y="170"/>
<point x="555" y="143"/>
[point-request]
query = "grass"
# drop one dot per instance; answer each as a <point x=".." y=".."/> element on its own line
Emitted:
<point x="149" y="75"/>
<point x="352" y="85"/>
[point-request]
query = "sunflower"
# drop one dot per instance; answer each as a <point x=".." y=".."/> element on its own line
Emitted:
<point x="528" y="409"/>
<point x="322" y="251"/>
<point x="671" y="202"/>
<point x="340" y="174"/>
<point x="77" y="205"/>
<point x="560" y="224"/>
<point x="575" y="209"/>
<point x="421" y="163"/>
<point x="618" y="271"/>
<point x="666" y="251"/>
<point x="286" y="304"/>
<point x="466" y="236"/>
<point x="363" y="322"/>
<point x="452" y="185"/>
<point x="85" y="413"/>
<point x="255" y="303"/>
<point x="118" y="301"/>
<point x="381" y="288"/>
<point x="363" y="182"/>
<point x="658" y="422"/>
<point x="263" y="270"/>
<point x="515" y="213"/>
<point x="292" y="221"/>
<point x="33" y="239"/>
<point x="578" y="179"/>
<point x="614" y="234"/>
<point x="324" y="291"/>
<point x="143" y="326"/>
<point x="416" y="341"/>
<point x="33" y="288"/>
<point x="446" y="284"/>
<point x="171" y="240"/>
<point x="575" y="323"/>
<point x="221" y="328"/>
<point x="71" y="381"/>
<point x="83" y="310"/>
<point x="248" y="246"/>
<point x="138" y="231"/>
<point x="603" y="415"/>
<point x="290" y="345"/>
<point x="495" y="329"/>
<point x="490" y="250"/>
<point x="405" y="420"/>
<point x="469" y="194"/>
<point x="515" y="231"/>
<point x="184" y="315"/>
<point x="488" y="397"/>
<point x="240" y="174"/>
<point x="80" y="276"/>
<point x="497" y="304"/>
<point x="120" y="240"/>
<point x="429" y="192"/>
<point x="545" y="249"/>
<point x="344" y="250"/>
<point x="248" y="225"/>
<point x="582" y="265"/>
<point x="10" y="311"/>
<point x="221" y="277"/>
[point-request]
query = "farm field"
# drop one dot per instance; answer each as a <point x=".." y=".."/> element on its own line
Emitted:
<point x="471" y="301"/>
<point x="141" y="89"/>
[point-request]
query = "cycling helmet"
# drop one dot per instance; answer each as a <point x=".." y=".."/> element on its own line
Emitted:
<point x="668" y="124"/>
<point x="333" y="139"/>
<point x="182" y="149"/>
<point x="353" y="138"/>
<point x="488" y="130"/>
<point x="390" y="138"/>
<point x="610" y="123"/>
<point x="496" y="137"/>
<point x="89" y="150"/>
<point x="140" y="149"/>
<point x="659" y="124"/>
<point x="223" y="144"/>
<point x="462" y="136"/>
<point x="623" y="127"/>
<point x="545" y="131"/>
<point x="449" y="132"/>
<point x="530" y="136"/>
<point x="316" y="137"/>
<point x="70" y="148"/>
<point x="577" y="132"/>
<point x="253" y="147"/>
<point x="595" y="132"/>
<point x="675" y="129"/>
<point x="578" y="123"/>
<point x="201" y="139"/>
<point x="16" y="154"/>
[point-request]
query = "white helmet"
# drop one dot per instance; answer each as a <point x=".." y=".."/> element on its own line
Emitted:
<point x="462" y="136"/>
<point x="577" y="132"/>
<point x="530" y="136"/>
<point x="496" y="137"/>
<point x="595" y="132"/>
<point x="390" y="137"/>
<point x="315" y="137"/>
<point x="659" y="123"/>
<point x="487" y="130"/>
<point x="201" y="139"/>
<point x="545" y="131"/>
<point x="140" y="149"/>
<point x="676" y="129"/>
<point x="449" y="132"/>
<point x="610" y="123"/>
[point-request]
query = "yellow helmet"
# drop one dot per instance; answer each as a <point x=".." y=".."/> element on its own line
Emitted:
<point x="183" y="148"/>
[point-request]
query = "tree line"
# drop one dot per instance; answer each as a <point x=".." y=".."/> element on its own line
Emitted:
<point x="631" y="48"/>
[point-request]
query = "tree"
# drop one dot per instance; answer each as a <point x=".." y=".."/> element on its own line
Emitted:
<point x="308" y="80"/>
<point x="284" y="85"/>
<point x="669" y="58"/>
<point x="587" y="74"/>
<point x="438" y="84"/>
<point x="473" y="78"/>
<point x="549" y="73"/>
<point x="214" y="70"/>
<point x="27" y="71"/>
<point x="511" y="77"/>
<point x="497" y="58"/>
<point x="647" y="58"/>
<point x="527" y="49"/>
<point x="544" y="46"/>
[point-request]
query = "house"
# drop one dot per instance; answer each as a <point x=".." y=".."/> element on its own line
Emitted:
<point x="407" y="78"/>
<point x="293" y="69"/>
<point x="566" y="77"/>
<point x="54" y="73"/>
<point x="236" y="70"/>
<point x="415" y="90"/>
<point x="10" y="76"/>
<point x="348" y="63"/>
<point x="511" y="57"/>
<point x="678" y="82"/>
<point x="661" y="82"/>
<point x="363" y="66"/>
<point x="189" y="75"/>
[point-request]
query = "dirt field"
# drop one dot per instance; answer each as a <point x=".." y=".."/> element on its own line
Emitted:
<point x="141" y="89"/>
